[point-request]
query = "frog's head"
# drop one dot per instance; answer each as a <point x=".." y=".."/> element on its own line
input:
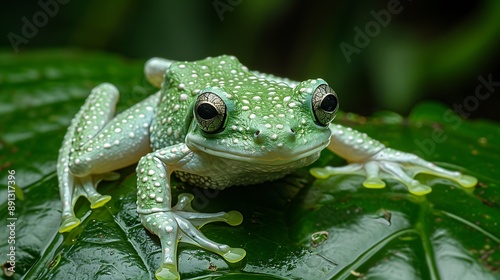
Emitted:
<point x="261" y="121"/>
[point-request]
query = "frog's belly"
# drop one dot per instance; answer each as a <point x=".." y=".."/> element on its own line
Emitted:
<point x="227" y="173"/>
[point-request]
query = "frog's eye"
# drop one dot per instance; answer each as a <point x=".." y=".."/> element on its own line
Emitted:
<point x="324" y="104"/>
<point x="210" y="112"/>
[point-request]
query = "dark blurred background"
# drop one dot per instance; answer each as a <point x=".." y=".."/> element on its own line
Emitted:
<point x="377" y="55"/>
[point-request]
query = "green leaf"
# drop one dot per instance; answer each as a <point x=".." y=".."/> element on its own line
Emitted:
<point x="376" y="234"/>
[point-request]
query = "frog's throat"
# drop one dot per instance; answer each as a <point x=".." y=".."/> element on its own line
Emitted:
<point x="276" y="157"/>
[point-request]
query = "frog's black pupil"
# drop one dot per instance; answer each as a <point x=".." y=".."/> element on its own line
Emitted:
<point x="329" y="103"/>
<point x="206" y="111"/>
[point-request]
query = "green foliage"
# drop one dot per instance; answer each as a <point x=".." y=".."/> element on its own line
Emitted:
<point x="380" y="234"/>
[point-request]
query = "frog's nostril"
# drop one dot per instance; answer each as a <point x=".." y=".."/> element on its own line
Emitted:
<point x="264" y="134"/>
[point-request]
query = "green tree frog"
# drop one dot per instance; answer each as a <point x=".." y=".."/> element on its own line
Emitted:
<point x="215" y="124"/>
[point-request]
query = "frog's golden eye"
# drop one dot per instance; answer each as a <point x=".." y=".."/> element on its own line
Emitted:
<point x="210" y="112"/>
<point x="324" y="103"/>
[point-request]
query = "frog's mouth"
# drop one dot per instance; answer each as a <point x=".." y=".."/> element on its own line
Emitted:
<point x="276" y="155"/>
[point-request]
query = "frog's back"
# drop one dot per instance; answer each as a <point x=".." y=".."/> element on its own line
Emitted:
<point x="183" y="82"/>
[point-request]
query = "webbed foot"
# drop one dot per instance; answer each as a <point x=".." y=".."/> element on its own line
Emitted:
<point x="393" y="164"/>
<point x="86" y="187"/>
<point x="181" y="224"/>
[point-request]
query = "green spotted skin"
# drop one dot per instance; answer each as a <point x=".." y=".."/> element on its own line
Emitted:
<point x="263" y="130"/>
<point x="267" y="122"/>
<point x="215" y="124"/>
<point x="256" y="104"/>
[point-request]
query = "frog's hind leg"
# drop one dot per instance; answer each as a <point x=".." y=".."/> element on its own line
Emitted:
<point x="81" y="186"/>
<point x="155" y="69"/>
<point x="96" y="144"/>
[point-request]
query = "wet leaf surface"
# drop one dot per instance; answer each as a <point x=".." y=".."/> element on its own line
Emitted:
<point x="365" y="234"/>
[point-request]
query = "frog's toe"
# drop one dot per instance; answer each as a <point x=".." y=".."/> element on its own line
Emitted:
<point x="87" y="188"/>
<point x="190" y="222"/>
<point x="69" y="223"/>
<point x="234" y="255"/>
<point x="184" y="209"/>
<point x="419" y="189"/>
<point x="192" y="235"/>
<point x="467" y="181"/>
<point x="320" y="173"/>
<point x="184" y="202"/>
<point x="234" y="218"/>
<point x="167" y="272"/>
<point x="376" y="171"/>
<point x="98" y="201"/>
<point x="327" y="171"/>
<point x="374" y="183"/>
<point x="163" y="225"/>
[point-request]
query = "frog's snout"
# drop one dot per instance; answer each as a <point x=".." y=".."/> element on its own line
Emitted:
<point x="279" y="133"/>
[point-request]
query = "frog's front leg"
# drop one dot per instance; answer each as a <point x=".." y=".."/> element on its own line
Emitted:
<point x="98" y="143"/>
<point x="179" y="223"/>
<point x="370" y="158"/>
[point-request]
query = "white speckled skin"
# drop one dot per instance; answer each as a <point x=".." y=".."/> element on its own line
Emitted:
<point x="250" y="127"/>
